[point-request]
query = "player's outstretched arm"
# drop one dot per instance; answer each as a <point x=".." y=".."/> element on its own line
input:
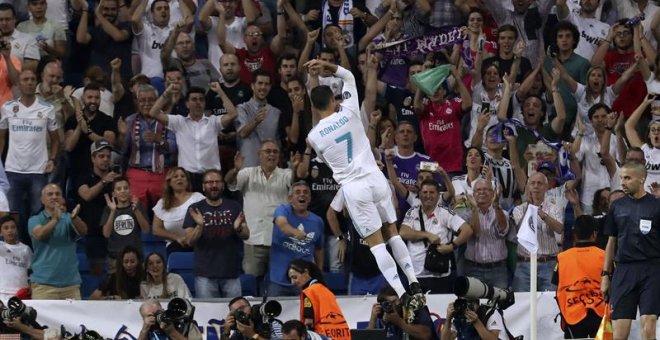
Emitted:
<point x="349" y="91"/>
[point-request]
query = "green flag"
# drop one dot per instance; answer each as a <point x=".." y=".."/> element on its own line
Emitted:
<point x="430" y="80"/>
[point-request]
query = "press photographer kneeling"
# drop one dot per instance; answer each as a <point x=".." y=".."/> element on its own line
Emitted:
<point x="252" y="322"/>
<point x="17" y="318"/>
<point x="468" y="319"/>
<point x="388" y="313"/>
<point x="176" y="322"/>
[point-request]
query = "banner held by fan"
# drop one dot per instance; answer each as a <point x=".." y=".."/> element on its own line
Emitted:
<point x="429" y="81"/>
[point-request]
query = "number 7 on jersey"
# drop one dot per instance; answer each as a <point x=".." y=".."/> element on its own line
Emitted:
<point x="349" y="144"/>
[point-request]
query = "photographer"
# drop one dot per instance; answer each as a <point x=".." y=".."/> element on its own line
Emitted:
<point x="25" y="330"/>
<point x="466" y="319"/>
<point x="239" y="307"/>
<point x="153" y="330"/>
<point x="387" y="313"/>
<point x="23" y="323"/>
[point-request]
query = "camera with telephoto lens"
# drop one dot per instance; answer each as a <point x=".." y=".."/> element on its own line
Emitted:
<point x="261" y="315"/>
<point x="17" y="309"/>
<point x="387" y="307"/>
<point x="179" y="312"/>
<point x="471" y="288"/>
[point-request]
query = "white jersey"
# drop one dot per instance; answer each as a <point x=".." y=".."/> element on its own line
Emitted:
<point x="234" y="36"/>
<point x="594" y="173"/>
<point x="652" y="156"/>
<point x="28" y="130"/>
<point x="148" y="45"/>
<point x="592" y="31"/>
<point x="340" y="140"/>
<point x="15" y="260"/>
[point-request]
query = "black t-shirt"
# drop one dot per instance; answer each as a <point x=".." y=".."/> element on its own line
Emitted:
<point x="217" y="252"/>
<point x="238" y="94"/>
<point x="126" y="230"/>
<point x="103" y="49"/>
<point x="422" y="317"/>
<point x="80" y="157"/>
<point x="109" y="286"/>
<point x="505" y="66"/>
<point x="323" y="187"/>
<point x="636" y="224"/>
<point x="91" y="211"/>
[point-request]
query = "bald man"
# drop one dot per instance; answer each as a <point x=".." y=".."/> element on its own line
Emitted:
<point x="632" y="225"/>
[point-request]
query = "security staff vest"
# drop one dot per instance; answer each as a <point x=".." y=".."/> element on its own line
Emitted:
<point x="328" y="318"/>
<point x="578" y="288"/>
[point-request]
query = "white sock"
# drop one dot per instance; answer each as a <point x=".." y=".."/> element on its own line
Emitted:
<point x="387" y="267"/>
<point x="402" y="257"/>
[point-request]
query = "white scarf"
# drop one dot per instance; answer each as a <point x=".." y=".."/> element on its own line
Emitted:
<point x="345" y="21"/>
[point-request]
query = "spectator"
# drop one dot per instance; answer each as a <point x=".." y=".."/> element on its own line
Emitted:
<point x="319" y="309"/>
<point x="411" y="192"/>
<point x="197" y="72"/>
<point x="302" y="118"/>
<point x="297" y="235"/>
<point x="631" y="244"/>
<point x="177" y="103"/>
<point x="149" y="147"/>
<point x="430" y="225"/>
<point x="96" y="74"/>
<point x="49" y="34"/>
<point x="10" y="67"/>
<point x="125" y="282"/>
<point x="196" y="134"/>
<point x="158" y="283"/>
<point x="617" y="60"/>
<point x="152" y="35"/>
<point x="486" y="252"/>
<point x="257" y="121"/>
<point x="296" y="330"/>
<point x="91" y="190"/>
<point x="124" y="219"/>
<point x="236" y="25"/>
<point x="16" y="259"/>
<point x="651" y="149"/>
<point x="255" y="56"/>
<point x="592" y="30"/>
<point x="445" y="13"/>
<point x="278" y="96"/>
<point x="23" y="45"/>
<point x="394" y="322"/>
<point x="477" y="42"/>
<point x="27" y="175"/>
<point x="170" y="211"/>
<point x="440" y="123"/>
<point x="645" y="9"/>
<point x="109" y="39"/>
<point x="54" y="232"/>
<point x="414" y="13"/>
<point x="401" y="101"/>
<point x="487" y="94"/>
<point x="551" y="222"/>
<point x="151" y="329"/>
<point x="215" y="227"/>
<point x="478" y="326"/>
<point x="529" y="16"/>
<point x="87" y="126"/>
<point x="364" y="275"/>
<point x="566" y="38"/>
<point x="236" y="330"/>
<point x="508" y="54"/>
<point x="578" y="274"/>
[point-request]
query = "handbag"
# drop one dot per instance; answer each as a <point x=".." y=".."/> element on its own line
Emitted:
<point x="435" y="261"/>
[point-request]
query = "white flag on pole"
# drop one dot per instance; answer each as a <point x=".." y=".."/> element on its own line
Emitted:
<point x="528" y="227"/>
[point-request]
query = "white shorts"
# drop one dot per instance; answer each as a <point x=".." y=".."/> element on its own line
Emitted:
<point x="369" y="202"/>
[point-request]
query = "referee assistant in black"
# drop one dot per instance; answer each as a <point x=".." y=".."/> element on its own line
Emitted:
<point x="633" y="227"/>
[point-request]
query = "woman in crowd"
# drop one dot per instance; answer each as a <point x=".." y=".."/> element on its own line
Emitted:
<point x="125" y="283"/>
<point x="319" y="309"/>
<point x="171" y="209"/>
<point x="158" y="283"/>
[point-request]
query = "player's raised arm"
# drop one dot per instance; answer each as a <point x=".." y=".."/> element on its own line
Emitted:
<point x="349" y="91"/>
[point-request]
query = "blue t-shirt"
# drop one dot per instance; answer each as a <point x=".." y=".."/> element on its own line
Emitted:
<point x="284" y="249"/>
<point x="55" y="262"/>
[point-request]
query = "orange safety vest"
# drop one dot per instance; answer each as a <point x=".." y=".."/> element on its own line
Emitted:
<point x="578" y="288"/>
<point x="328" y="317"/>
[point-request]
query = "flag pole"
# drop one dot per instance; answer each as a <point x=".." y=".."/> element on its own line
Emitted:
<point x="532" y="295"/>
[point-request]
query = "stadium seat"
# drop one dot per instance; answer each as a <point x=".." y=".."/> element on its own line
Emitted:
<point x="182" y="264"/>
<point x="249" y="285"/>
<point x="88" y="285"/>
<point x="153" y="244"/>
<point x="336" y="282"/>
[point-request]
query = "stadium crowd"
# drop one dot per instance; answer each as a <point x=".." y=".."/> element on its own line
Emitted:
<point x="135" y="131"/>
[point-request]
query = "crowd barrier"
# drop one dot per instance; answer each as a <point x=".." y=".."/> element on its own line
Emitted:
<point x="121" y="319"/>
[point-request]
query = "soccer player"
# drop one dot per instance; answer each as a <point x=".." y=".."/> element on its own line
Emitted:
<point x="339" y="139"/>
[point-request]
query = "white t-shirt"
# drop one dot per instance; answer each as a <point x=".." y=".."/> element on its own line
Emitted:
<point x="583" y="106"/>
<point x="234" y="35"/>
<point x="107" y="106"/>
<point x="28" y="130"/>
<point x="173" y="218"/>
<point x="148" y="45"/>
<point x="652" y="156"/>
<point x="479" y="97"/>
<point x="58" y="10"/>
<point x="15" y="259"/>
<point x="176" y="287"/>
<point x="176" y="14"/>
<point x="652" y="84"/>
<point x="24" y="46"/>
<point x="197" y="142"/>
<point x="574" y="7"/>
<point x="592" y="31"/>
<point x="594" y="174"/>
<point x="340" y="140"/>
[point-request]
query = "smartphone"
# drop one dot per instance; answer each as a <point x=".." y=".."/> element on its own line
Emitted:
<point x="553" y="50"/>
<point x="485" y="107"/>
<point x="428" y="166"/>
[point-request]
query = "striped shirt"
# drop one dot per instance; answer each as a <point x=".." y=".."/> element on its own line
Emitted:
<point x="545" y="235"/>
<point x="490" y="245"/>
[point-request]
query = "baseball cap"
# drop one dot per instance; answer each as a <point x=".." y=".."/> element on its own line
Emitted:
<point x="100" y="145"/>
<point x="546" y="165"/>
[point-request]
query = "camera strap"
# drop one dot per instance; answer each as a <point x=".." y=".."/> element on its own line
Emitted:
<point x="421" y="225"/>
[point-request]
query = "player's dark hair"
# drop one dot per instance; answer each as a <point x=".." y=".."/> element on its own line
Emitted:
<point x="321" y="97"/>
<point x="585" y="226"/>
<point x="301" y="265"/>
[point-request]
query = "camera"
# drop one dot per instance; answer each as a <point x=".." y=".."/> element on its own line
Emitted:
<point x="553" y="50"/>
<point x="634" y="21"/>
<point x="17" y="309"/>
<point x="472" y="288"/>
<point x="387" y="307"/>
<point x="261" y="316"/>
<point x="179" y="312"/>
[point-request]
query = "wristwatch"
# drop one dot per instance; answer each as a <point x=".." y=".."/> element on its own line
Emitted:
<point x="604" y="273"/>
<point x="340" y="237"/>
